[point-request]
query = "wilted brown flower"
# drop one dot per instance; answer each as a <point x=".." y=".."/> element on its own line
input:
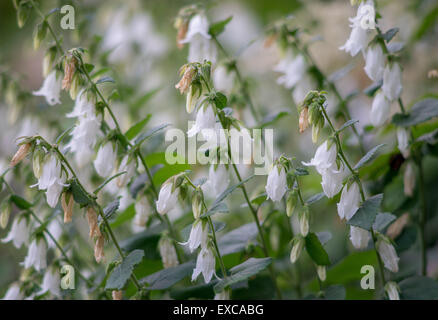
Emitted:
<point x="98" y="248"/>
<point x="432" y="74"/>
<point x="117" y="295"/>
<point x="270" y="40"/>
<point x="304" y="119"/>
<point x="69" y="71"/>
<point x="182" y="31"/>
<point x="20" y="154"/>
<point x="186" y="80"/>
<point x="396" y="228"/>
<point x="67" y="202"/>
<point x="92" y="223"/>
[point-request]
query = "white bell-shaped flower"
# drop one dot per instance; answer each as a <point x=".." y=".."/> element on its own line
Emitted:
<point x="51" y="172"/>
<point x="359" y="237"/>
<point x="51" y="89"/>
<point x="332" y="180"/>
<point x="276" y="184"/>
<point x="223" y="79"/>
<point x="357" y="41"/>
<point x="201" y="46"/>
<point x="380" y="109"/>
<point x="167" y="200"/>
<point x="205" y="264"/>
<point x="374" y="62"/>
<point x="403" y="142"/>
<point x="325" y="157"/>
<point x="55" y="230"/>
<point x="198" y="236"/>
<point x="205" y="119"/>
<point x="105" y="159"/>
<point x="218" y="178"/>
<point x="36" y="255"/>
<point x="388" y="254"/>
<point x="129" y="165"/>
<point x="392" y="81"/>
<point x="303" y="87"/>
<point x="51" y="282"/>
<point x="19" y="233"/>
<point x="293" y="69"/>
<point x="54" y="191"/>
<point x="350" y="201"/>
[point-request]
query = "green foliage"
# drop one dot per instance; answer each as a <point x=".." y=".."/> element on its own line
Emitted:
<point x="316" y="251"/>
<point x="120" y="275"/>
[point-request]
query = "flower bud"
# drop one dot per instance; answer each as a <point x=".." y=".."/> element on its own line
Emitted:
<point x="303" y="123"/>
<point x="388" y="254"/>
<point x="75" y="86"/>
<point x="92" y="223"/>
<point x="39" y="34"/>
<point x="5" y="212"/>
<point x="37" y="163"/>
<point x="49" y="59"/>
<point x="167" y="252"/>
<point x="23" y="13"/>
<point x="98" y="248"/>
<point x="297" y="247"/>
<point x="67" y="202"/>
<point x="392" y="290"/>
<point x="291" y="202"/>
<point x="197" y="205"/>
<point x="117" y="294"/>
<point x="409" y="180"/>
<point x="397" y="226"/>
<point x="303" y="219"/>
<point x="21" y="153"/>
<point x="322" y="272"/>
<point x="223" y="295"/>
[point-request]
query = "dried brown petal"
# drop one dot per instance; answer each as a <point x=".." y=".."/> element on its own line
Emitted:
<point x="304" y="119"/>
<point x="117" y="295"/>
<point x="92" y="223"/>
<point x="20" y="154"/>
<point x="69" y="71"/>
<point x="182" y="31"/>
<point x="186" y="80"/>
<point x="270" y="40"/>
<point x="98" y="249"/>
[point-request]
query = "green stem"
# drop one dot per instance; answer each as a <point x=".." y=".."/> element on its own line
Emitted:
<point x="242" y="82"/>
<point x="423" y="218"/>
<point x="216" y="247"/>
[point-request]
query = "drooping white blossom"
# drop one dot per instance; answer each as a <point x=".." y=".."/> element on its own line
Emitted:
<point x="36" y="255"/>
<point x="359" y="237"/>
<point x="205" y="119"/>
<point x="51" y="89"/>
<point x="51" y="282"/>
<point x="129" y="165"/>
<point x="198" y="236"/>
<point x="205" y="264"/>
<point x="54" y="191"/>
<point x="392" y="81"/>
<point x="167" y="199"/>
<point x="332" y="179"/>
<point x="13" y="293"/>
<point x="50" y="172"/>
<point x="325" y="157"/>
<point x="218" y="178"/>
<point x="223" y="79"/>
<point x="293" y="67"/>
<point x="388" y="254"/>
<point x="55" y="230"/>
<point x="223" y="295"/>
<point x="276" y="184"/>
<point x="303" y="87"/>
<point x="349" y="202"/>
<point x="403" y="142"/>
<point x="167" y="253"/>
<point x="358" y="39"/>
<point x="380" y="109"/>
<point x="105" y="159"/>
<point x="374" y="62"/>
<point x="19" y="233"/>
<point x="201" y="46"/>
